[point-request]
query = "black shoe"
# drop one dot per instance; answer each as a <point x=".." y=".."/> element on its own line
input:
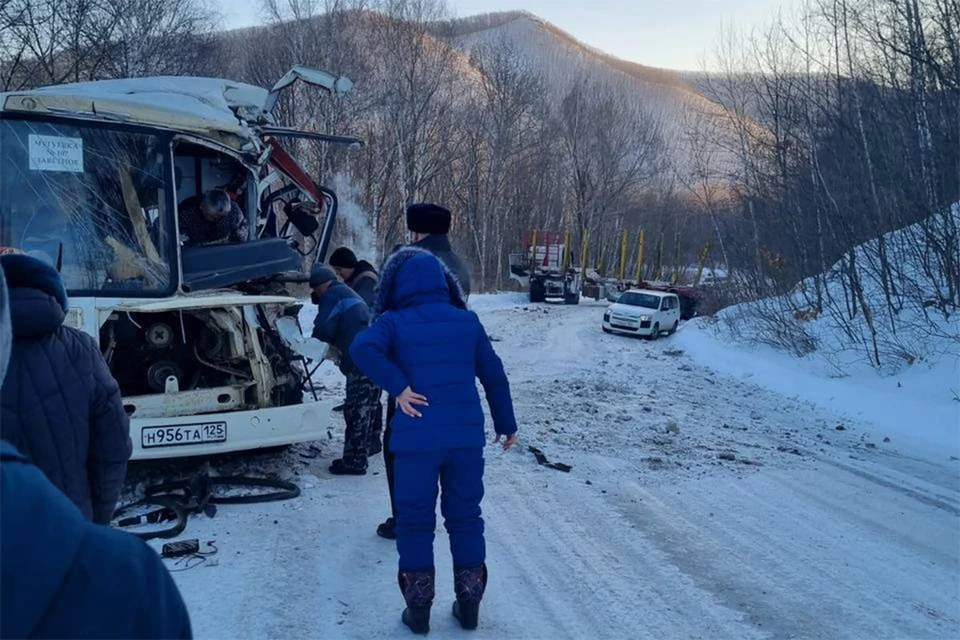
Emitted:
<point x="388" y="529"/>
<point x="467" y="613"/>
<point x="339" y="407"/>
<point x="417" y="619"/>
<point x="337" y="468"/>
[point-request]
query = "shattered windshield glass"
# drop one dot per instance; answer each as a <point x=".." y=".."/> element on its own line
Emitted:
<point x="93" y="199"/>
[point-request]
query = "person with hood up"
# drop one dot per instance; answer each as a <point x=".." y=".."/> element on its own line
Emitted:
<point x="427" y="350"/>
<point x="429" y="226"/>
<point x="341" y="315"/>
<point x="63" y="576"/>
<point x="60" y="405"/>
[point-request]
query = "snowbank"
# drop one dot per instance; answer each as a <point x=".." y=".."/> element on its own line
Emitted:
<point x="902" y="375"/>
<point x="915" y="408"/>
<point x="901" y="315"/>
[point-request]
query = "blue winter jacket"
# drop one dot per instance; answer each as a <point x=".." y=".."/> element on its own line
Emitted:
<point x="424" y="338"/>
<point x="64" y="577"/>
<point x="60" y="405"/>
<point x="341" y="315"/>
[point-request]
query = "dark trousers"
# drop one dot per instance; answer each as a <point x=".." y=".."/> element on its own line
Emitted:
<point x="360" y="412"/>
<point x="388" y="460"/>
<point x="460" y="474"/>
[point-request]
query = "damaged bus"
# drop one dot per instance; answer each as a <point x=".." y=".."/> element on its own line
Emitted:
<point x="95" y="178"/>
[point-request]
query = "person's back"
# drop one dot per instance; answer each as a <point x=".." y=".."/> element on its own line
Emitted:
<point x="341" y="315"/>
<point x="60" y="406"/>
<point x="427" y="350"/>
<point x="439" y="349"/>
<point x="430" y="224"/>
<point x="63" y="577"/>
<point x="439" y="245"/>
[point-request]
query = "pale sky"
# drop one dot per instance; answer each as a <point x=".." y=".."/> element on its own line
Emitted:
<point x="674" y="34"/>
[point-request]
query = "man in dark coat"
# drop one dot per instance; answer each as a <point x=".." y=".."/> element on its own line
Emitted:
<point x="359" y="275"/>
<point x="64" y="577"/>
<point x="429" y="225"/>
<point x="341" y="315"/>
<point x="211" y="218"/>
<point x="60" y="405"/>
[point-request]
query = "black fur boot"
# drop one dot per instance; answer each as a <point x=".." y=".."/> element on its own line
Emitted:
<point x="469" y="585"/>
<point x="418" y="590"/>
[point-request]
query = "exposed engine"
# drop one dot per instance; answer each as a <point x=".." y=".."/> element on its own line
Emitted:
<point x="201" y="349"/>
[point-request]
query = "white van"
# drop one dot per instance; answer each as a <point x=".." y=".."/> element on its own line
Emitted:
<point x="640" y="312"/>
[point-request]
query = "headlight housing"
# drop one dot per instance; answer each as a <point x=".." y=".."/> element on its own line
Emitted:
<point x="645" y="318"/>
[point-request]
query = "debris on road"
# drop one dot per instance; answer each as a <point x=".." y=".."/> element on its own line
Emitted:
<point x="542" y="460"/>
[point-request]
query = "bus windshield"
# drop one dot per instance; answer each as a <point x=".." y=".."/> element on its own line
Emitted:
<point x="91" y="199"/>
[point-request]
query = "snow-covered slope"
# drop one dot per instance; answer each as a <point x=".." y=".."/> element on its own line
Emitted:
<point x="902" y="375"/>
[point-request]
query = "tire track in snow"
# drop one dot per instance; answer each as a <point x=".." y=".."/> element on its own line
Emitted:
<point x="592" y="574"/>
<point x="802" y="567"/>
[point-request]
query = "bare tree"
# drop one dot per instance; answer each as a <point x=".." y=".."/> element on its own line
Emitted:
<point x="54" y="41"/>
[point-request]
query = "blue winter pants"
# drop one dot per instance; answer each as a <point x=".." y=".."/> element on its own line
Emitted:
<point x="460" y="475"/>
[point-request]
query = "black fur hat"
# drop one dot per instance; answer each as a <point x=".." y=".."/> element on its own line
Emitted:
<point x="428" y="218"/>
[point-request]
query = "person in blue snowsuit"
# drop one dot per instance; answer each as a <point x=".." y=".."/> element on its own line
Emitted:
<point x="63" y="576"/>
<point x="427" y="350"/>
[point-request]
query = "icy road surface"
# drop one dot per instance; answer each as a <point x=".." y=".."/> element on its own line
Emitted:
<point x="697" y="507"/>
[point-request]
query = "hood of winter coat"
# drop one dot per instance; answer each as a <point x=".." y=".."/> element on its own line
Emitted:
<point x="413" y="277"/>
<point x="37" y="297"/>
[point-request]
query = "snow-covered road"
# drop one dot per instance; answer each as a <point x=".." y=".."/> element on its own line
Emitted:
<point x="697" y="506"/>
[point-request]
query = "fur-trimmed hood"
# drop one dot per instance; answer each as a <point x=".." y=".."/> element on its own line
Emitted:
<point x="414" y="276"/>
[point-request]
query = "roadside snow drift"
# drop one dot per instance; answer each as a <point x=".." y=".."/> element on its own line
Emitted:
<point x="890" y="357"/>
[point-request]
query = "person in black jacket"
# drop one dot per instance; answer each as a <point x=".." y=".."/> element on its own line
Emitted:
<point x="341" y="315"/>
<point x="60" y="405"/>
<point x="65" y="577"/>
<point x="211" y="218"/>
<point x="359" y="275"/>
<point x="429" y="225"/>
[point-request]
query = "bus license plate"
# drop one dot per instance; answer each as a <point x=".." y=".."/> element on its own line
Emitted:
<point x="183" y="434"/>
